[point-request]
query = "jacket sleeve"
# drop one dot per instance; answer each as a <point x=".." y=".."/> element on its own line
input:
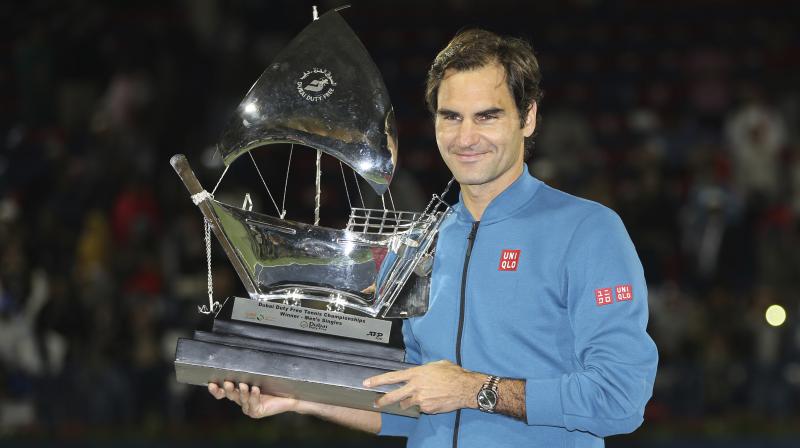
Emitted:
<point x="398" y="425"/>
<point x="606" y="298"/>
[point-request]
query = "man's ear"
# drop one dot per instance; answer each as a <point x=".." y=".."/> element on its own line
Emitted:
<point x="530" y="121"/>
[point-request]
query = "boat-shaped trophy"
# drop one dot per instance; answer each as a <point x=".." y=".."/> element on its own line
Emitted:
<point x="325" y="306"/>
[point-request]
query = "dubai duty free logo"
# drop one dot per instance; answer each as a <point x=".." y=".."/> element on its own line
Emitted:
<point x="316" y="84"/>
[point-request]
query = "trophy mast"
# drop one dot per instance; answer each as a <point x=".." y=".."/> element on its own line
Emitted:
<point x="318" y="174"/>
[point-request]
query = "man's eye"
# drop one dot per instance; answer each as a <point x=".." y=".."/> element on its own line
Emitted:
<point x="487" y="117"/>
<point x="450" y="117"/>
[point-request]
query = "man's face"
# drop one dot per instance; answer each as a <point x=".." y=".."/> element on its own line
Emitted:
<point x="478" y="129"/>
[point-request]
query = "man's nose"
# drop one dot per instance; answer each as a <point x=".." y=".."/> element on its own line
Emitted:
<point x="467" y="134"/>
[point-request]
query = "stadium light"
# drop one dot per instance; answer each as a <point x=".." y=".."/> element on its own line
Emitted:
<point x="775" y="315"/>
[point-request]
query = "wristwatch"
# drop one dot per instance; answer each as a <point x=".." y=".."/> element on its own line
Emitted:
<point x="487" y="396"/>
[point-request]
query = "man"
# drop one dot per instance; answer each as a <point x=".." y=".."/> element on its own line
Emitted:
<point x="535" y="334"/>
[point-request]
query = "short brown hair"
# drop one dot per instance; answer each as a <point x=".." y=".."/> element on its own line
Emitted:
<point x="475" y="48"/>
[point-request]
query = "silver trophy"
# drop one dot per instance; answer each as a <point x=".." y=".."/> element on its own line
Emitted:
<point x="324" y="304"/>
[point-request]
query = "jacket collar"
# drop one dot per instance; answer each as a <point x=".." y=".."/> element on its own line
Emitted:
<point x="507" y="203"/>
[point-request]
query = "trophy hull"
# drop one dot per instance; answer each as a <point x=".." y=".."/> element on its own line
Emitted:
<point x="289" y="363"/>
<point x="365" y="267"/>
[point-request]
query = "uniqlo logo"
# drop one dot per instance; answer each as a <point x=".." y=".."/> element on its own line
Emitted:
<point x="603" y="296"/>
<point x="623" y="293"/>
<point x="509" y="259"/>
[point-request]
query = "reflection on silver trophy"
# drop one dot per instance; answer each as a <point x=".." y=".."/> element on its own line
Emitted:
<point x="321" y="300"/>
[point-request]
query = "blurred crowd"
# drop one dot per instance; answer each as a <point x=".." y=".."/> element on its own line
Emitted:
<point x="683" y="117"/>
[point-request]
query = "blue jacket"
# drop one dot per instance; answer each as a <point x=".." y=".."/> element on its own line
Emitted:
<point x="555" y="295"/>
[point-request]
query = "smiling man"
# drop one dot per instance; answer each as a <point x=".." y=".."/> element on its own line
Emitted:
<point x="536" y="330"/>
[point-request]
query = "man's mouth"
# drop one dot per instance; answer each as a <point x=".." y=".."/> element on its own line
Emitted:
<point x="469" y="156"/>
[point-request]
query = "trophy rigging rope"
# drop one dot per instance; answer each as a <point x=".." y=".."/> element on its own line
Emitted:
<point x="213" y="306"/>
<point x="391" y="199"/>
<point x="344" y="180"/>
<point x="359" y="190"/>
<point x="220" y="180"/>
<point x="286" y="182"/>
<point x="265" y="184"/>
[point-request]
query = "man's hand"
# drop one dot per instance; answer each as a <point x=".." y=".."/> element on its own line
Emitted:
<point x="254" y="404"/>
<point x="435" y="387"/>
<point x="257" y="405"/>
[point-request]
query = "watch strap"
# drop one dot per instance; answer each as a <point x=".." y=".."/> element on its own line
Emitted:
<point x="491" y="383"/>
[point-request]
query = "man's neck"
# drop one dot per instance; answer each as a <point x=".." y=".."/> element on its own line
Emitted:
<point x="477" y="197"/>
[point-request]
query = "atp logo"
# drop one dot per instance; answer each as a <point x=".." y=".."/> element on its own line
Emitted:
<point x="377" y="335"/>
<point x="316" y="84"/>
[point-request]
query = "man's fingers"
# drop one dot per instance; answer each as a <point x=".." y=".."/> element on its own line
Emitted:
<point x="388" y="378"/>
<point x="253" y="403"/>
<point x="407" y="403"/>
<point x="244" y="397"/>
<point x="255" y="397"/>
<point x="231" y="392"/>
<point x="216" y="391"/>
<point x="393" y="396"/>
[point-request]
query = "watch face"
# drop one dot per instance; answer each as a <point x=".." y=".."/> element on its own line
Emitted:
<point x="487" y="399"/>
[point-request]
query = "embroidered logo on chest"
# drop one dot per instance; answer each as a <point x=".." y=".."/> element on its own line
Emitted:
<point x="509" y="259"/>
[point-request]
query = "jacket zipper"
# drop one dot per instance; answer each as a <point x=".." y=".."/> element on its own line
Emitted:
<point x="471" y="242"/>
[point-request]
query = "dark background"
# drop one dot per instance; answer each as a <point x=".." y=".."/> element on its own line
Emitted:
<point x="681" y="116"/>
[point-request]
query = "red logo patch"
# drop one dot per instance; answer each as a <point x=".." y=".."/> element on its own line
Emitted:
<point x="509" y="259"/>
<point x="623" y="293"/>
<point x="603" y="296"/>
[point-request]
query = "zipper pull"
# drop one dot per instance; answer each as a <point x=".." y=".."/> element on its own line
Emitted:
<point x="473" y="231"/>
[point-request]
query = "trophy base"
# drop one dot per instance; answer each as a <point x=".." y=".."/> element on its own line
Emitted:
<point x="289" y="363"/>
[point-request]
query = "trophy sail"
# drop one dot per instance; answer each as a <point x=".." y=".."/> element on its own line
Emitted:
<point x="323" y="91"/>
